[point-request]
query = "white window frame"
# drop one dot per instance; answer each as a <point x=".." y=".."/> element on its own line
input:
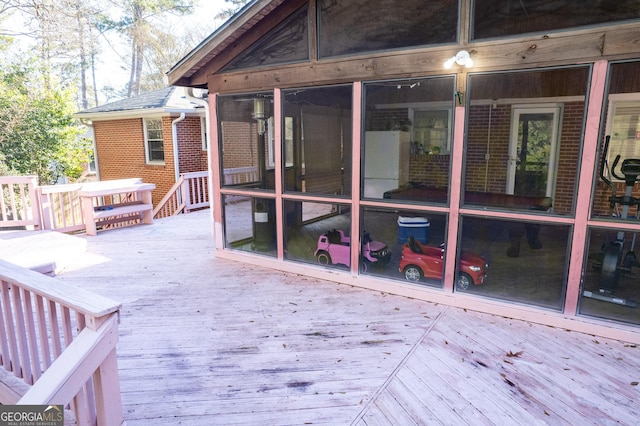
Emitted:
<point x="147" y="152"/>
<point x="287" y="133"/>
<point x="615" y="102"/>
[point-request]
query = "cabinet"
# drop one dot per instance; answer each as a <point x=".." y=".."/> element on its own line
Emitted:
<point x="431" y="131"/>
<point x="386" y="161"/>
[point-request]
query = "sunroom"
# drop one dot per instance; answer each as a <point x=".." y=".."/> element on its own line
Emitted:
<point x="452" y="151"/>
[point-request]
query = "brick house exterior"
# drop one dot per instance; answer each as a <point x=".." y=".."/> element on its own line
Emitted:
<point x="119" y="138"/>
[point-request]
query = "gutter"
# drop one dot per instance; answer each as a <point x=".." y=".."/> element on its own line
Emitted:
<point x="207" y="122"/>
<point x="174" y="134"/>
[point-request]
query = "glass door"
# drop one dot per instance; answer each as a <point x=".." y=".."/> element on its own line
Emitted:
<point x="533" y="151"/>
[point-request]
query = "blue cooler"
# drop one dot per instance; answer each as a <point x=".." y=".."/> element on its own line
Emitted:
<point x="416" y="227"/>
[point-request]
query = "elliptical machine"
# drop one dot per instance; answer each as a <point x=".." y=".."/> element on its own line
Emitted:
<point x="613" y="263"/>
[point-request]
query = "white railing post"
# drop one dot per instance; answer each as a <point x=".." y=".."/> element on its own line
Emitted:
<point x="184" y="194"/>
<point x="19" y="202"/>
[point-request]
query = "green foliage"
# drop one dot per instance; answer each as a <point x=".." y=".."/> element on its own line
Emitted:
<point x="38" y="134"/>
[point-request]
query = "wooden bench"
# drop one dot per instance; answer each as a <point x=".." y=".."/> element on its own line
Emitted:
<point x="130" y="196"/>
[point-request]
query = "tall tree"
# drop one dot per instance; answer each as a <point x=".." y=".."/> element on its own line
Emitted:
<point x="139" y="22"/>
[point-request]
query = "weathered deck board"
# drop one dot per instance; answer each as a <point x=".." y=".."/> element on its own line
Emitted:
<point x="209" y="341"/>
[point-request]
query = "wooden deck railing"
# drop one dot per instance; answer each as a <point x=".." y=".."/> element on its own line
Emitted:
<point x="58" y="207"/>
<point x="240" y="175"/>
<point x="58" y="346"/>
<point x="61" y="207"/>
<point x="19" y="202"/>
<point x="190" y="192"/>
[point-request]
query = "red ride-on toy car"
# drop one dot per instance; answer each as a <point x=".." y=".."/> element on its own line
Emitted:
<point x="421" y="261"/>
<point x="334" y="248"/>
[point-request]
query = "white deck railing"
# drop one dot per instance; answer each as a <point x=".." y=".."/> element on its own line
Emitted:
<point x="57" y="207"/>
<point x="58" y="346"/>
<point x="19" y="202"/>
<point x="61" y="207"/>
<point x="190" y="192"/>
<point x="240" y="175"/>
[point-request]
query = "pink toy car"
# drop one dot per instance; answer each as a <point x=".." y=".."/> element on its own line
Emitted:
<point x="421" y="261"/>
<point x="334" y="248"/>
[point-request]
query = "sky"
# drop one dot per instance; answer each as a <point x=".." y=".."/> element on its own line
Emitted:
<point x="110" y="71"/>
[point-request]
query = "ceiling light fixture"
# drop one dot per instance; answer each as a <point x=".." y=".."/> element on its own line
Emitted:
<point x="461" y="58"/>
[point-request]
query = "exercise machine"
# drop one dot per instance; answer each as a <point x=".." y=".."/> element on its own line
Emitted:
<point x="613" y="262"/>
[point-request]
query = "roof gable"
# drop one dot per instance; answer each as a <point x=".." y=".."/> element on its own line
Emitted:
<point x="230" y="40"/>
<point x="288" y="42"/>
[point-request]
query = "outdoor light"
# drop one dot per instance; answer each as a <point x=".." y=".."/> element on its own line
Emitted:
<point x="258" y="115"/>
<point x="258" y="109"/>
<point x="461" y="58"/>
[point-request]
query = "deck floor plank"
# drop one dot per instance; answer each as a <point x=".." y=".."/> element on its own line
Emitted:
<point x="206" y="341"/>
<point x="568" y="364"/>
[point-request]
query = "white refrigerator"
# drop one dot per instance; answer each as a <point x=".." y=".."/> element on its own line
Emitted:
<point x="386" y="161"/>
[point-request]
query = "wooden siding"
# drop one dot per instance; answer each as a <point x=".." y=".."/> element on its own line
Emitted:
<point x="208" y="341"/>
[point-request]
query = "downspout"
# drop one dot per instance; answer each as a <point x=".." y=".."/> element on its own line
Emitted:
<point x="89" y="123"/>
<point x="174" y="134"/>
<point x="205" y="104"/>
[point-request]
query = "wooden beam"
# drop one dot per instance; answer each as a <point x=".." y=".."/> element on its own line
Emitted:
<point x="566" y="48"/>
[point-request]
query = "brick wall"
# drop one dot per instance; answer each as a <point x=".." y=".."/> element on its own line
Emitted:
<point x="569" y="157"/>
<point x="434" y="169"/>
<point x="121" y="151"/>
<point x="121" y="154"/>
<point x="192" y="157"/>
<point x="387" y="119"/>
<point x="495" y="175"/>
<point x="240" y="144"/>
<point x="430" y="169"/>
<point x="481" y="174"/>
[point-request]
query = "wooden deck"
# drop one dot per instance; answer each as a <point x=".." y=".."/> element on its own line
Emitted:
<point x="208" y="341"/>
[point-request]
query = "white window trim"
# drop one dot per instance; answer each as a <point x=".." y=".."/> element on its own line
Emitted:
<point x="146" y="142"/>
<point x="615" y="101"/>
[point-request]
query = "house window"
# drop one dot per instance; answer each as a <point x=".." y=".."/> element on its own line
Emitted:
<point x="431" y="131"/>
<point x="203" y="132"/>
<point x="154" y="143"/>
<point x="406" y="139"/>
<point x="624" y="128"/>
<point x="288" y="142"/>
<point x="244" y="134"/>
